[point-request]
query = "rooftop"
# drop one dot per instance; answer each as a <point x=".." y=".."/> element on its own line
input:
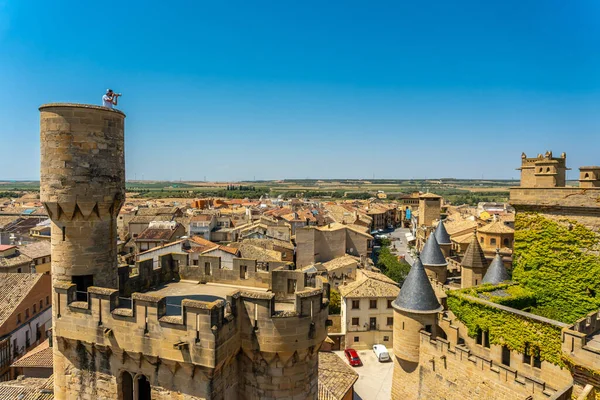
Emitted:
<point x="474" y="256"/>
<point x="432" y="254"/>
<point x="441" y="234"/>
<point x="496" y="272"/>
<point x="335" y="377"/>
<point x="14" y="287"/>
<point x="370" y="284"/>
<point x="36" y="249"/>
<point x="28" y="389"/>
<point x="496" y="227"/>
<point x="416" y="294"/>
<point x="38" y="357"/>
<point x="340" y="262"/>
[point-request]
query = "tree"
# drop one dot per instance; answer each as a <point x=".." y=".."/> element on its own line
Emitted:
<point x="390" y="265"/>
<point x="335" y="302"/>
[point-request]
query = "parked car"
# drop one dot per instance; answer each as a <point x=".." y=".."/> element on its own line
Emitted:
<point x="381" y="353"/>
<point x="353" y="357"/>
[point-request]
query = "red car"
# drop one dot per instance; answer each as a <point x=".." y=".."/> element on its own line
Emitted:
<point x="352" y="357"/>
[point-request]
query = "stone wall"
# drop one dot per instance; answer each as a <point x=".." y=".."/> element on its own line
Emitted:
<point x="582" y="205"/>
<point x="201" y="342"/>
<point x="448" y="372"/>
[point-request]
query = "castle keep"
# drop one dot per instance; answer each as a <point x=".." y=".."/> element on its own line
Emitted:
<point x="160" y="330"/>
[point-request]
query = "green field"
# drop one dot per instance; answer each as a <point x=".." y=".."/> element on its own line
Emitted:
<point x="458" y="191"/>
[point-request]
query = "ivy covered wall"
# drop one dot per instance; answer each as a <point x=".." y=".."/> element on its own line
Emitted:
<point x="559" y="261"/>
<point x="506" y="328"/>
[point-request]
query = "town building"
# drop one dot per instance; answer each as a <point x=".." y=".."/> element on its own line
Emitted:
<point x="157" y="234"/>
<point x="36" y="363"/>
<point x="324" y="243"/>
<point x="366" y="310"/>
<point x="25" y="315"/>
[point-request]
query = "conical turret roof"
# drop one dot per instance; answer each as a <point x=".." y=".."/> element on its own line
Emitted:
<point x="416" y="294"/>
<point x="474" y="257"/>
<point x="441" y="234"/>
<point x="496" y="272"/>
<point x="432" y="254"/>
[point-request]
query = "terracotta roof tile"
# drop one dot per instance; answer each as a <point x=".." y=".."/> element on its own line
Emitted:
<point x="14" y="287"/>
<point x="336" y="378"/>
<point x="38" y="357"/>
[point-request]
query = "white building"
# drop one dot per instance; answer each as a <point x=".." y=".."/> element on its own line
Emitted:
<point x="367" y="316"/>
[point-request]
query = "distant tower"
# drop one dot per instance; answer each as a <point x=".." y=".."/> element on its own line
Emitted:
<point x="433" y="260"/>
<point x="589" y="177"/>
<point x="443" y="238"/>
<point x="415" y="308"/>
<point x="543" y="171"/>
<point x="83" y="189"/>
<point x="473" y="265"/>
<point x="430" y="207"/>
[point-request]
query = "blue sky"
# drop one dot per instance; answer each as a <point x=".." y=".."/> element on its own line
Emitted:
<point x="232" y="90"/>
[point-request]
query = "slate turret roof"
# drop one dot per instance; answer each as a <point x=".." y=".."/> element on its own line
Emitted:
<point x="432" y="254"/>
<point x="441" y="234"/>
<point x="496" y="272"/>
<point x="416" y="294"/>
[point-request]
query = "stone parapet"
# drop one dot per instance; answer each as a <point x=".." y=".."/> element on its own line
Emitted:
<point x="585" y="199"/>
<point x="205" y="333"/>
<point x="459" y="365"/>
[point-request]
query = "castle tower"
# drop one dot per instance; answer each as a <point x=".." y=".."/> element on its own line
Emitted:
<point x="473" y="265"/>
<point x="415" y="309"/>
<point x="433" y="260"/>
<point x="589" y="177"/>
<point x="543" y="171"/>
<point x="443" y="239"/>
<point x="430" y="207"/>
<point x="83" y="189"/>
<point x="496" y="272"/>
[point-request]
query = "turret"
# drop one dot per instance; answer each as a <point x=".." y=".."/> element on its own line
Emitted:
<point x="433" y="260"/>
<point x="415" y="309"/>
<point x="496" y="272"/>
<point x="83" y="189"/>
<point x="474" y="264"/>
<point x="443" y="238"/>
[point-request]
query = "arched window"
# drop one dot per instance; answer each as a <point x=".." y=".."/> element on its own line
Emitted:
<point x="127" y="385"/>
<point x="481" y="240"/>
<point x="493" y="241"/>
<point x="506" y="242"/>
<point x="586" y="175"/>
<point x="547" y="169"/>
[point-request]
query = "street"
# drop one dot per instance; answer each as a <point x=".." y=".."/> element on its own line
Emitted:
<point x="398" y="238"/>
<point x="374" y="378"/>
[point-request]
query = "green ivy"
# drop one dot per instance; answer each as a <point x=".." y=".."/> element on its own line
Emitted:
<point x="506" y="328"/>
<point x="508" y="294"/>
<point x="559" y="262"/>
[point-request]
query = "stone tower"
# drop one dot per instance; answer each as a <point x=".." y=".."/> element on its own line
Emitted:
<point x="430" y="207"/>
<point x="433" y="260"/>
<point x="415" y="308"/>
<point x="543" y="171"/>
<point x="473" y="265"/>
<point x="83" y="188"/>
<point x="443" y="238"/>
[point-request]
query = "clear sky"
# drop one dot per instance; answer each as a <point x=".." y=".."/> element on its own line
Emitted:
<point x="232" y="90"/>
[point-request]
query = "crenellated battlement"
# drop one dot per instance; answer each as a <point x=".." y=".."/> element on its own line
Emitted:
<point x="203" y="332"/>
<point x="451" y="362"/>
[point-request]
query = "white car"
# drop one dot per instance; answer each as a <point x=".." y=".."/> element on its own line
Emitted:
<point x="381" y="353"/>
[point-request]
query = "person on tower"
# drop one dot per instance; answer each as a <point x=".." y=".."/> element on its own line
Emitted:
<point x="110" y="99"/>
